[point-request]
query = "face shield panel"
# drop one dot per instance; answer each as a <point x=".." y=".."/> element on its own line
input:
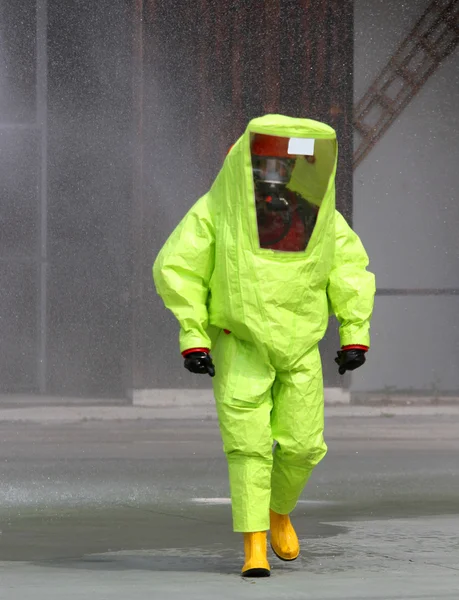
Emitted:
<point x="288" y="188"/>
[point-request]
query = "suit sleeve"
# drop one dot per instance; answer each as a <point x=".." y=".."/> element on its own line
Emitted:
<point x="351" y="288"/>
<point x="182" y="273"/>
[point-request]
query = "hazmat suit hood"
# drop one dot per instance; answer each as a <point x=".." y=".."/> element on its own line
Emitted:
<point x="312" y="180"/>
<point x="271" y="290"/>
<point x="213" y="274"/>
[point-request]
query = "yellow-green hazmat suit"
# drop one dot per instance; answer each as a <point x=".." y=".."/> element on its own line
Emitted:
<point x="214" y="276"/>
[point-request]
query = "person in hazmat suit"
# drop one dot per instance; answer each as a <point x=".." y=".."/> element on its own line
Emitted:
<point x="252" y="273"/>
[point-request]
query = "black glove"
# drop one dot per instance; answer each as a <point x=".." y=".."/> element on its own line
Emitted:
<point x="199" y="362"/>
<point x="351" y="359"/>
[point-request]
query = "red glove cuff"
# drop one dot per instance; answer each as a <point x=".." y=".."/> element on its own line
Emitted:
<point x="190" y="350"/>
<point x="356" y="347"/>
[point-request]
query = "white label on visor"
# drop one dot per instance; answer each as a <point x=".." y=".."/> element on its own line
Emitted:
<point x="301" y="146"/>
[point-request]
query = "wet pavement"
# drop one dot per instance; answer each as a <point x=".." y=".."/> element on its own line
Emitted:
<point x="139" y="509"/>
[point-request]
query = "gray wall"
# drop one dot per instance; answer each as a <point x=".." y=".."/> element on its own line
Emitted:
<point x="406" y="210"/>
<point x="89" y="183"/>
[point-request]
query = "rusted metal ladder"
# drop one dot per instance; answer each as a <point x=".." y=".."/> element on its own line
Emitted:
<point x="433" y="38"/>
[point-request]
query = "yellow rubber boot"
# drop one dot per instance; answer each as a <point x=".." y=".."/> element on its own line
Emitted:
<point x="256" y="561"/>
<point x="284" y="540"/>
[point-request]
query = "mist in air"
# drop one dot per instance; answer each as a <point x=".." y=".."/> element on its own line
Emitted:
<point x="141" y="105"/>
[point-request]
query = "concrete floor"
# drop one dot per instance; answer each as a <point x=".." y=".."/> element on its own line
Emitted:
<point x="126" y="509"/>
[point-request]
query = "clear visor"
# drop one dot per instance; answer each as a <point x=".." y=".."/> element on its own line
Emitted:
<point x="288" y="192"/>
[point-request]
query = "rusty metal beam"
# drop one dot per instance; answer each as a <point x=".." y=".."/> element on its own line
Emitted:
<point x="434" y="37"/>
